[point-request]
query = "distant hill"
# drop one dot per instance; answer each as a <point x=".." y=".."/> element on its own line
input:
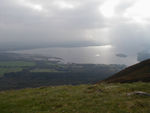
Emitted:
<point x="137" y="72"/>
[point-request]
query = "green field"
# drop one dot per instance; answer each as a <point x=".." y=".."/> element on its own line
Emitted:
<point x="44" y="70"/>
<point x="13" y="66"/>
<point x="16" y="64"/>
<point x="103" y="98"/>
<point x="8" y="70"/>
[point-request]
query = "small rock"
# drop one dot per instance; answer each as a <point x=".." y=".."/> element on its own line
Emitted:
<point x="138" y="93"/>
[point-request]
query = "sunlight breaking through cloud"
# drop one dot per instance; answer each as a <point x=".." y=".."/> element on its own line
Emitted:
<point x="124" y="25"/>
<point x="36" y="7"/>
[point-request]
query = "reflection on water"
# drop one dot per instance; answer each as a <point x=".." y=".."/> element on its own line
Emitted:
<point x="95" y="55"/>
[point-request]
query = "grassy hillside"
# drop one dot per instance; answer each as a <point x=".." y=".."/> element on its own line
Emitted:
<point x="99" y="98"/>
<point x="137" y="72"/>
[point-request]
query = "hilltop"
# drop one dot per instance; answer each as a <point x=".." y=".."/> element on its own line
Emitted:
<point x="137" y="72"/>
<point x="99" y="98"/>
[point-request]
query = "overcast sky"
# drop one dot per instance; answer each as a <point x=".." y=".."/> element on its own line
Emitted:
<point x="123" y="24"/>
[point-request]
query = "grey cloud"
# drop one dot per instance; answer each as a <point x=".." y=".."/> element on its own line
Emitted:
<point x="123" y="6"/>
<point x="25" y="25"/>
<point x="143" y="55"/>
<point x="22" y="25"/>
<point x="130" y="38"/>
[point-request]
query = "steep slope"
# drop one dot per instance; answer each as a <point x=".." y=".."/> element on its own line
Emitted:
<point x="137" y="72"/>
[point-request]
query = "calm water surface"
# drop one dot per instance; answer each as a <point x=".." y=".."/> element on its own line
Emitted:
<point x="94" y="55"/>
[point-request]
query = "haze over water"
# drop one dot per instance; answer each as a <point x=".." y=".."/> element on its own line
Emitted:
<point x="93" y="55"/>
<point x="88" y="25"/>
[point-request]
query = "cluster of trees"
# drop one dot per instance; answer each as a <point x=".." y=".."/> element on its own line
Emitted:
<point x="61" y="74"/>
<point x="26" y="79"/>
